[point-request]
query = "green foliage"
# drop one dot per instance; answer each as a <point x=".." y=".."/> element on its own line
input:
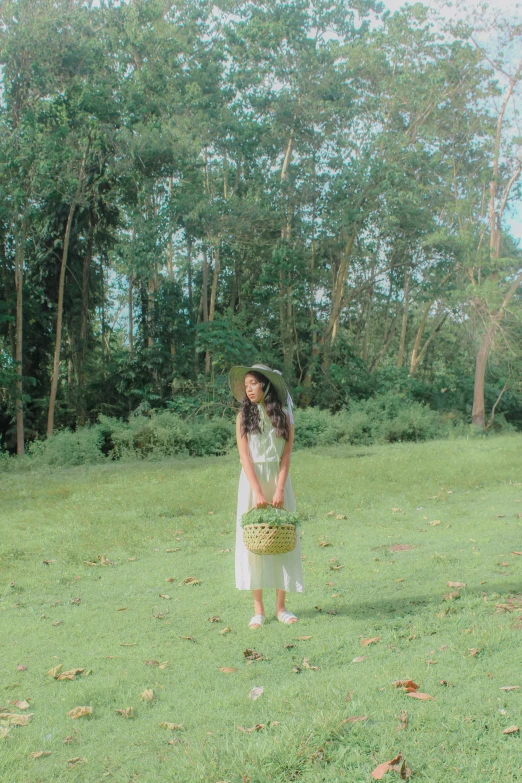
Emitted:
<point x="270" y="516"/>
<point x="82" y="447"/>
<point x="386" y="418"/>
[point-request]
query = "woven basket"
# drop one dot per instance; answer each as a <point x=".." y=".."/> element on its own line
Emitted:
<point x="265" y="539"/>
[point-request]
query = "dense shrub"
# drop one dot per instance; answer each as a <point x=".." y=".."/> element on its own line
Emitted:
<point x="386" y="418"/>
<point x="82" y="447"/>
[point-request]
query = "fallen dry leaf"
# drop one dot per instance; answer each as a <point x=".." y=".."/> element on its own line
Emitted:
<point x="354" y="719"/>
<point x="408" y="685"/>
<point x="396" y="510"/>
<point x="21" y="667"/>
<point x="104" y="560"/>
<point x="511" y="730"/>
<point x="170" y="579"/>
<point x="176" y="549"/>
<point x="75" y="762"/>
<point x="451" y="596"/>
<point x="90" y="563"/>
<point x="228" y="669"/>
<point x="303" y="638"/>
<point x="188" y="638"/>
<point x="191" y="580"/>
<point x="325" y="543"/>
<point x="397" y="765"/>
<point x="48" y="562"/>
<point x="330" y="513"/>
<point x="166" y="597"/>
<point x="225" y="630"/>
<point x="517" y="553"/>
<point x="307" y="665"/>
<point x="330" y="584"/>
<point x="257" y="727"/>
<point x="510" y="688"/>
<point x="435" y="522"/>
<point x="151" y="662"/>
<point x="474" y="651"/>
<point x="360" y="659"/>
<point x="76" y="601"/>
<point x="400" y="547"/>
<point x="172" y="726"/>
<point x="174" y="741"/>
<point x="79" y="712"/>
<point x="163" y="665"/>
<point x="418" y="695"/>
<point x="13" y="719"/>
<point x="341" y="516"/>
<point x="296" y="670"/>
<point x="4" y="732"/>
<point x="349" y="696"/>
<point x="128" y="712"/>
<point x="214" y="619"/>
<point x="147" y="695"/>
<point x="22" y="705"/>
<point x="456" y="584"/>
<point x="69" y="675"/>
<point x="70" y="738"/>
<point x="336" y="567"/>
<point x="367" y="642"/>
<point x="255" y="693"/>
<point x="252" y="655"/>
<point x="403" y="721"/>
<point x="37" y="754"/>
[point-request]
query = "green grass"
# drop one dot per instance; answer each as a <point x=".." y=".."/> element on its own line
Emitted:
<point x="132" y="513"/>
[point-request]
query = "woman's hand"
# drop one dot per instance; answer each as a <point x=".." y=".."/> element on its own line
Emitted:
<point x="278" y="499"/>
<point x="259" y="500"/>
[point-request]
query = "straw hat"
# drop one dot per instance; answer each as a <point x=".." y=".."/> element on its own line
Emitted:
<point x="237" y="375"/>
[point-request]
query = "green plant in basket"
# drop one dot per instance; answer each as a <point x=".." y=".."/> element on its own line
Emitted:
<point x="270" y="516"/>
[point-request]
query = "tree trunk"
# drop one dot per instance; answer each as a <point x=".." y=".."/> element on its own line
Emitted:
<point x="400" y="357"/>
<point x="19" y="279"/>
<point x="478" y="415"/>
<point x="338" y="287"/>
<point x="131" y="315"/>
<point x="212" y="307"/>
<point x="189" y="279"/>
<point x="84" y="324"/>
<point x="59" y="316"/>
<point x="306" y="395"/>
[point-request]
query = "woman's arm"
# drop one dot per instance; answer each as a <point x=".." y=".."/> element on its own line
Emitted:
<point x="248" y="466"/>
<point x="284" y="468"/>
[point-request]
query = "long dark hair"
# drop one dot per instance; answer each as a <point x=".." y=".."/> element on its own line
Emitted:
<point x="250" y="412"/>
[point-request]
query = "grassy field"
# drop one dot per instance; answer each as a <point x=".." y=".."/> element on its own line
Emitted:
<point x="133" y="625"/>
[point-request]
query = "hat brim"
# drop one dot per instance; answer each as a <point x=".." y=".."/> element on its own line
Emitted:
<point x="236" y="379"/>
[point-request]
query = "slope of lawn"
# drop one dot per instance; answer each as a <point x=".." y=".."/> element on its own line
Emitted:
<point x="92" y="569"/>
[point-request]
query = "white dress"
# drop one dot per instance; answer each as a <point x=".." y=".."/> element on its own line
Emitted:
<point x="271" y="571"/>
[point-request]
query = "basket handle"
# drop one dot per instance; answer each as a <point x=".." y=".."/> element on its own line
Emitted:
<point x="268" y="504"/>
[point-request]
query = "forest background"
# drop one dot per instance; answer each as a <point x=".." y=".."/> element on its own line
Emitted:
<point x="325" y="187"/>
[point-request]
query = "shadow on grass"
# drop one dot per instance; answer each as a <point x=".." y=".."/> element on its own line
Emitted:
<point x="401" y="607"/>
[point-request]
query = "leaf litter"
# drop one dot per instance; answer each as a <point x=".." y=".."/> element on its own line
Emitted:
<point x="398" y="764"/>
<point x="256" y="692"/>
<point x="79" y="712"/>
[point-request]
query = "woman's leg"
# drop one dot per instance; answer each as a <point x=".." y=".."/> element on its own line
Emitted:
<point x="258" y="605"/>
<point x="280" y="604"/>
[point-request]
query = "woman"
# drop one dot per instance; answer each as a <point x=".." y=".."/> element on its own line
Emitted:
<point x="265" y="435"/>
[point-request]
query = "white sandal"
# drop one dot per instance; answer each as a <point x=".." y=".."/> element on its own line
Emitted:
<point x="256" y="621"/>
<point x="286" y="617"/>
